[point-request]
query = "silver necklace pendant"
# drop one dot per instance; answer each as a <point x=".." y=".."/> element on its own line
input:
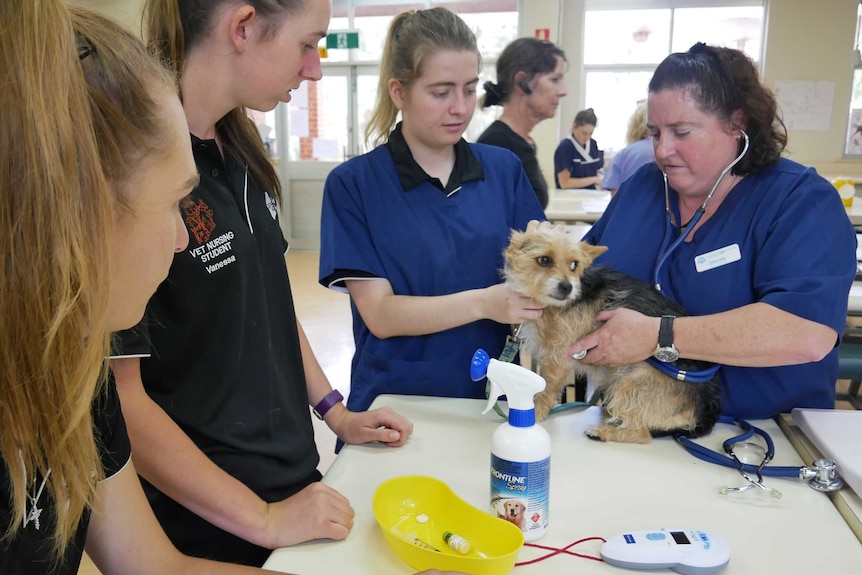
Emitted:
<point x="33" y="516"/>
<point x="35" y="512"/>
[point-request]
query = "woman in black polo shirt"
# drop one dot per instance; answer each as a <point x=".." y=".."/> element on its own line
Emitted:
<point x="218" y="414"/>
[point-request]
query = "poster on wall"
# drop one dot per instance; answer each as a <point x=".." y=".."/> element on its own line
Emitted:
<point x="806" y="105"/>
<point x="854" y="134"/>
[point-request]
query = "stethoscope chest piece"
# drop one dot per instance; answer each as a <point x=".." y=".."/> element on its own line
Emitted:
<point x="822" y="475"/>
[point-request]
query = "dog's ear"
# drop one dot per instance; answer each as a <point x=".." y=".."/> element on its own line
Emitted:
<point x="517" y="242"/>
<point x="515" y="238"/>
<point x="593" y="251"/>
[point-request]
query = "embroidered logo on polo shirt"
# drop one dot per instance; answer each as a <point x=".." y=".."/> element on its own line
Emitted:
<point x="199" y="219"/>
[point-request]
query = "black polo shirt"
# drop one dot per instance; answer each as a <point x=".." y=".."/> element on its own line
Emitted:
<point x="31" y="551"/>
<point x="466" y="169"/>
<point x="226" y="362"/>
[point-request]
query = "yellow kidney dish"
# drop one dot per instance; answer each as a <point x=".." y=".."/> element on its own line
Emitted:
<point x="419" y="514"/>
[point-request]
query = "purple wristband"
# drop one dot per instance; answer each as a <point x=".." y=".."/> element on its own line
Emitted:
<point x="327" y="402"/>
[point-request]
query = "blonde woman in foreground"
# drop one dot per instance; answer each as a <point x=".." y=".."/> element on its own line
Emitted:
<point x="94" y="160"/>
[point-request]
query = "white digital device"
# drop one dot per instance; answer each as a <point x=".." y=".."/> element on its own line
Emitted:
<point x="686" y="551"/>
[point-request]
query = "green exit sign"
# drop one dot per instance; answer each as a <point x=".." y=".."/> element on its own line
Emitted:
<point x="342" y="40"/>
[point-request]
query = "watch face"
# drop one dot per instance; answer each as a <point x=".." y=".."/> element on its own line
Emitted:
<point x="666" y="354"/>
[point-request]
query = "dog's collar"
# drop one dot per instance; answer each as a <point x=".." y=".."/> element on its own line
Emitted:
<point x="697" y="376"/>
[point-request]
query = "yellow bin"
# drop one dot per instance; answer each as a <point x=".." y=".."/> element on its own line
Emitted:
<point x="846" y="189"/>
<point x="414" y="512"/>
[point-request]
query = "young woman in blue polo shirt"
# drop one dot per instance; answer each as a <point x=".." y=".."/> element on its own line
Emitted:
<point x="415" y="229"/>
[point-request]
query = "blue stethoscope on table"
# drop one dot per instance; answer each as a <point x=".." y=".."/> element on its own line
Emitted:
<point x="822" y="476"/>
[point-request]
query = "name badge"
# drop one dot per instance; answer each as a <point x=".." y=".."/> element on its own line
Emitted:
<point x="717" y="258"/>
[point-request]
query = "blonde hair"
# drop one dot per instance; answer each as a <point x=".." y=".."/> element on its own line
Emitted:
<point x="637" y="129"/>
<point x="413" y="36"/>
<point x="68" y="142"/>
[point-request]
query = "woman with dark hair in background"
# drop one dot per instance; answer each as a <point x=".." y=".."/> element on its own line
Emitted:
<point x="529" y="87"/>
<point x="578" y="159"/>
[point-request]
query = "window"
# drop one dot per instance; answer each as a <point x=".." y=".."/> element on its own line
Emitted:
<point x="853" y="147"/>
<point x="623" y="46"/>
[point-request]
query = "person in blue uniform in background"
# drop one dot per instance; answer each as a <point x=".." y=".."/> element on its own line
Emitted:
<point x="578" y="159"/>
<point x="415" y="229"/>
<point x="638" y="151"/>
<point x="765" y="272"/>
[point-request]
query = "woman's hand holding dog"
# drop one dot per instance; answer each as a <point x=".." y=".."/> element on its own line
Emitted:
<point x="316" y="512"/>
<point x="504" y="305"/>
<point x="626" y="337"/>
<point x="383" y="425"/>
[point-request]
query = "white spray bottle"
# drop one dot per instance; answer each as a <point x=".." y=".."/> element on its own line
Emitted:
<point x="520" y="449"/>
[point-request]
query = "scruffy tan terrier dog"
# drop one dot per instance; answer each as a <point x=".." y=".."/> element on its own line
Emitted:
<point x="639" y="401"/>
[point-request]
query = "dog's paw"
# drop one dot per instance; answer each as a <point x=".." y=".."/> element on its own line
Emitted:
<point x="543" y="408"/>
<point x="619" y="433"/>
<point x="594" y="432"/>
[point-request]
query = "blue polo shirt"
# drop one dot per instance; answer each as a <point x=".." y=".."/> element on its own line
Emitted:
<point x="797" y="253"/>
<point x="384" y="217"/>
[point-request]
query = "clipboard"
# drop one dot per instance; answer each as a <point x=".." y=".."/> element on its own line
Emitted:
<point x="837" y="434"/>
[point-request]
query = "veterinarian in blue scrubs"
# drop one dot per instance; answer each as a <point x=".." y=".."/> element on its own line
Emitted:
<point x="415" y="229"/>
<point x="766" y="270"/>
<point x="578" y="159"/>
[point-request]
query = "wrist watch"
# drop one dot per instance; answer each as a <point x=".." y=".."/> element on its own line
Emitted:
<point x="665" y="350"/>
<point x="326" y="403"/>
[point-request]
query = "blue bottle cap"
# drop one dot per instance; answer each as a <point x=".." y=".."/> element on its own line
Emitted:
<point x="479" y="365"/>
<point x="522" y="417"/>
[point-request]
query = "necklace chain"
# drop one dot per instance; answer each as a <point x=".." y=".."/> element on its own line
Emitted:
<point x="35" y="512"/>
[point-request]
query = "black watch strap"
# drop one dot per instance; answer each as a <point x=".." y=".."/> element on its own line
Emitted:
<point x="665" y="331"/>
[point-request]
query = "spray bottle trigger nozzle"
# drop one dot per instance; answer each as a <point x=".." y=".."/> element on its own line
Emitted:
<point x="479" y="370"/>
<point x="479" y="365"/>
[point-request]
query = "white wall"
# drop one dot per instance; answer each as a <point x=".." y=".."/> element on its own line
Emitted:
<point x="813" y="40"/>
<point x="126" y="11"/>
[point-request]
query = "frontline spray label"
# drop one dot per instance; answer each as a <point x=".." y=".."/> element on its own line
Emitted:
<point x="519" y="494"/>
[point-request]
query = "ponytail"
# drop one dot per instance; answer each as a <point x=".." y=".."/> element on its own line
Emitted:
<point x="385" y="112"/>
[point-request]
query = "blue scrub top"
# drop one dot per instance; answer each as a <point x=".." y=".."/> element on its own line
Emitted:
<point x="426" y="242"/>
<point x="797" y="249"/>
<point x="566" y="157"/>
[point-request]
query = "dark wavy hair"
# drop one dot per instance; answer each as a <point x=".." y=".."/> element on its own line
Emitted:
<point x="721" y="81"/>
<point x="532" y="56"/>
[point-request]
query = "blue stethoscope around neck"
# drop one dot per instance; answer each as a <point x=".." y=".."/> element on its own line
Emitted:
<point x="667" y="248"/>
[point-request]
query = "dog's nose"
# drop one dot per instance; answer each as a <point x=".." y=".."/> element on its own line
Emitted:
<point x="564" y="289"/>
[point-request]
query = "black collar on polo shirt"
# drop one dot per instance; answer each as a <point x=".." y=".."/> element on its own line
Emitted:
<point x="467" y="168"/>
